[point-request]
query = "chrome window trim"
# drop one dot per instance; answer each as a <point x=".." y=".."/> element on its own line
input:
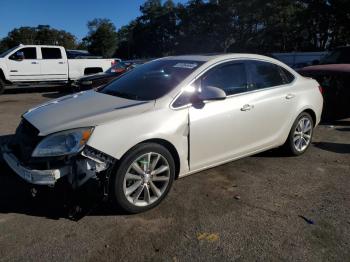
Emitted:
<point x="200" y="74"/>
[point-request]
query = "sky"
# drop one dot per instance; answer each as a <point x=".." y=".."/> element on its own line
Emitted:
<point x="68" y="15"/>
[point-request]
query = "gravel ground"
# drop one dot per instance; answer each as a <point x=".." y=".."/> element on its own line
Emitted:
<point x="266" y="207"/>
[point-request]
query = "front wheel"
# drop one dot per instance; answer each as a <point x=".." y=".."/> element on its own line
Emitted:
<point x="300" y="136"/>
<point x="143" y="178"/>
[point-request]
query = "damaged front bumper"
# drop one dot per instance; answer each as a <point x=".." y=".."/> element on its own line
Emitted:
<point x="37" y="177"/>
<point x="78" y="170"/>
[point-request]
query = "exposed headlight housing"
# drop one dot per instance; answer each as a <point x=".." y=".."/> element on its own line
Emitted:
<point x="63" y="143"/>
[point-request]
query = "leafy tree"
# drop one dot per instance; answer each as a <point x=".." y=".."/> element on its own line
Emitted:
<point x="327" y="23"/>
<point x="42" y="34"/>
<point x="205" y="26"/>
<point x="154" y="31"/>
<point x="102" y="37"/>
<point x="260" y="26"/>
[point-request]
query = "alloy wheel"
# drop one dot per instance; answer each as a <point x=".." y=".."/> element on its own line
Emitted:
<point x="302" y="134"/>
<point x="146" y="179"/>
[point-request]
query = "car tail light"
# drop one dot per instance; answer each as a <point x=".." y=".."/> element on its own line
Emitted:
<point x="119" y="70"/>
<point x="321" y="89"/>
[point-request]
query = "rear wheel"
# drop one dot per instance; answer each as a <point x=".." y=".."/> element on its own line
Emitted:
<point x="300" y="136"/>
<point x="143" y="178"/>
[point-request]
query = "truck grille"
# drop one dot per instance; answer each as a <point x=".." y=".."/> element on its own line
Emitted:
<point x="24" y="141"/>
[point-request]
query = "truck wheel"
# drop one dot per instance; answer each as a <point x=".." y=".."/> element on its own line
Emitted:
<point x="2" y="86"/>
<point x="143" y="178"/>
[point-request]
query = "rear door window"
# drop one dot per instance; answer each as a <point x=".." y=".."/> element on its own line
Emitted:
<point x="51" y="53"/>
<point x="265" y="75"/>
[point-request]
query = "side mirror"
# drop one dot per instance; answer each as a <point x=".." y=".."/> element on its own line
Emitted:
<point x="18" y="56"/>
<point x="211" y="93"/>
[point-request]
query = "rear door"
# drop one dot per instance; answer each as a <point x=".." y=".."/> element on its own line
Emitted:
<point x="53" y="64"/>
<point x="27" y="69"/>
<point x="274" y="102"/>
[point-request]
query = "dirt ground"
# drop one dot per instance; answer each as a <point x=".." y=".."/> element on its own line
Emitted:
<point x="267" y="207"/>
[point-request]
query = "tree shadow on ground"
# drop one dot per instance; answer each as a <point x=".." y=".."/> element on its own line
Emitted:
<point x="344" y="129"/>
<point x="339" y="148"/>
<point x="342" y="122"/>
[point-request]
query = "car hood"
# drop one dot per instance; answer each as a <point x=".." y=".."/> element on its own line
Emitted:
<point x="331" y="69"/>
<point x="83" y="109"/>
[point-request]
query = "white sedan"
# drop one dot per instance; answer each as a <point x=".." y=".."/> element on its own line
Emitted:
<point x="166" y="119"/>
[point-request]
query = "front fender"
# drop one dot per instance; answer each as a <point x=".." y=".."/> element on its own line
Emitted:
<point x="118" y="137"/>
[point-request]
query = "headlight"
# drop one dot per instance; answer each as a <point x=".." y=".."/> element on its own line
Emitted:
<point x="63" y="143"/>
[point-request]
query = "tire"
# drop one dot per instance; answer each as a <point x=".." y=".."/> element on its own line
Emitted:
<point x="2" y="86"/>
<point x="133" y="189"/>
<point x="299" y="139"/>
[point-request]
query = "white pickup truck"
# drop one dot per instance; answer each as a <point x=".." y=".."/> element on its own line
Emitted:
<point x="43" y="64"/>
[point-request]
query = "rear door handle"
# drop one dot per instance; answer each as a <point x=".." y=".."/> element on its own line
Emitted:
<point x="247" y="107"/>
<point x="290" y="96"/>
<point x="61" y="63"/>
<point x="35" y="63"/>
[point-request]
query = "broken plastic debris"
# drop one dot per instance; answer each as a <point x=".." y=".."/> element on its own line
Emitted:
<point x="309" y="221"/>
<point x="208" y="236"/>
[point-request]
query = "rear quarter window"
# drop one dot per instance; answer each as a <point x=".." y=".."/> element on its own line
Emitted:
<point x="288" y="77"/>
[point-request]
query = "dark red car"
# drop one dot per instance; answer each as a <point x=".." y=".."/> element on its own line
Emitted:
<point x="96" y="80"/>
<point x="333" y="74"/>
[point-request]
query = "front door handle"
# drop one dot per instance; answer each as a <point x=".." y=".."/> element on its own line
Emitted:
<point x="247" y="107"/>
<point x="61" y="63"/>
<point x="290" y="96"/>
<point x="35" y="63"/>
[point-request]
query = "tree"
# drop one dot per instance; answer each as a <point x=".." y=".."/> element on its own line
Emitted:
<point x="42" y="34"/>
<point x="327" y="23"/>
<point x="102" y="37"/>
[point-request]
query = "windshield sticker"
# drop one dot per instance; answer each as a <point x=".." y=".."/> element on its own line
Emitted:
<point x="186" y="65"/>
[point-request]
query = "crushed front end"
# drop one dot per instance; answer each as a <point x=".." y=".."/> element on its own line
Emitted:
<point x="75" y="169"/>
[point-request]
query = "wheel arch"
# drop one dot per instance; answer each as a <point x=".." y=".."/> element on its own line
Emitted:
<point x="168" y="145"/>
<point x="171" y="148"/>
<point x="3" y="77"/>
<point x="308" y="110"/>
<point x="312" y="114"/>
<point x="92" y="70"/>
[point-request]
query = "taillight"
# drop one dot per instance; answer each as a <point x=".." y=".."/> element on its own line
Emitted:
<point x="321" y="89"/>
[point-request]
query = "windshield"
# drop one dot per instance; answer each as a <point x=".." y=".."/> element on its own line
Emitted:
<point x="151" y="80"/>
<point x="338" y="56"/>
<point x="7" y="52"/>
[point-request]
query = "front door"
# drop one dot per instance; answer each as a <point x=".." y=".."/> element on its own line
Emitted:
<point x="222" y="130"/>
<point x="23" y="65"/>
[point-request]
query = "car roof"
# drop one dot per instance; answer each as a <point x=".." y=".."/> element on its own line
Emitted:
<point x="215" y="56"/>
